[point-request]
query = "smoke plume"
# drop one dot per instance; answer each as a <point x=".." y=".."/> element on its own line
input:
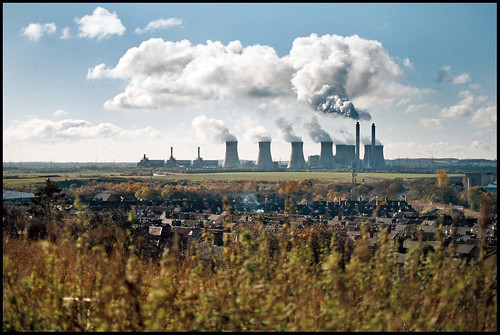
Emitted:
<point x="285" y="131"/>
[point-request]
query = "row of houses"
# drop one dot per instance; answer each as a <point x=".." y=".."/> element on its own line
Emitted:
<point x="405" y="225"/>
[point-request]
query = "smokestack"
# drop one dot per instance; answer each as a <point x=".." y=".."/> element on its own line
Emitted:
<point x="199" y="157"/>
<point x="231" y="159"/>
<point x="265" y="161"/>
<point x="357" y="144"/>
<point x="373" y="144"/>
<point x="297" y="160"/>
<point x="326" y="160"/>
<point x="171" y="152"/>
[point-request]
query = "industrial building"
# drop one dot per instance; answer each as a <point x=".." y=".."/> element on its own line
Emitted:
<point x="346" y="156"/>
<point x="153" y="163"/>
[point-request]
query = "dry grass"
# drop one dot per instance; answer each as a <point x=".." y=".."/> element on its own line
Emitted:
<point x="284" y="282"/>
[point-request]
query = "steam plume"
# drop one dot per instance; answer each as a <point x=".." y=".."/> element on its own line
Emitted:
<point x="316" y="133"/>
<point x="212" y="129"/>
<point x="285" y="131"/>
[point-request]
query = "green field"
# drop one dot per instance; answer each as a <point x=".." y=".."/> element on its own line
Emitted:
<point x="13" y="180"/>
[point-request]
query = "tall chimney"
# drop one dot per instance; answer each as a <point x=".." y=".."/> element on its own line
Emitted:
<point x="357" y="144"/>
<point x="199" y="153"/>
<point x="265" y="161"/>
<point x="326" y="160"/>
<point x="297" y="160"/>
<point x="171" y="152"/>
<point x="231" y="159"/>
<point x="372" y="152"/>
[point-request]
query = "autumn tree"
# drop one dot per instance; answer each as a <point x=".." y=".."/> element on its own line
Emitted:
<point x="475" y="197"/>
<point x="442" y="178"/>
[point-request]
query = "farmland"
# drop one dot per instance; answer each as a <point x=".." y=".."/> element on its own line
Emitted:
<point x="16" y="179"/>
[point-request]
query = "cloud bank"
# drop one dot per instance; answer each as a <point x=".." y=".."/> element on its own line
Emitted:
<point x="323" y="72"/>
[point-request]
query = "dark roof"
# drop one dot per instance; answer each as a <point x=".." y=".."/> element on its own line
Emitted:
<point x="104" y="197"/>
<point x="12" y="195"/>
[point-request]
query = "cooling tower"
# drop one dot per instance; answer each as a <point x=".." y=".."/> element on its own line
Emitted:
<point x="345" y="155"/>
<point x="297" y="160"/>
<point x="326" y="160"/>
<point x="265" y="161"/>
<point x="378" y="161"/>
<point x="231" y="159"/>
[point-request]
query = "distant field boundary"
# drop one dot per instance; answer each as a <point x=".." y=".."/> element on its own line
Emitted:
<point x="11" y="180"/>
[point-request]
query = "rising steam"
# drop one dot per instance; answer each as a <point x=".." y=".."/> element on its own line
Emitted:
<point x="285" y="131"/>
<point x="316" y="133"/>
<point x="212" y="129"/>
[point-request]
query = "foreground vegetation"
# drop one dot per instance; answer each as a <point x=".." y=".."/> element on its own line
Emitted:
<point x="312" y="280"/>
<point x="87" y="274"/>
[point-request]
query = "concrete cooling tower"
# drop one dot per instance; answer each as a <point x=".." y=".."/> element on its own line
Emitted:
<point x="375" y="161"/>
<point x="231" y="159"/>
<point x="297" y="160"/>
<point x="326" y="160"/>
<point x="345" y="155"/>
<point x="264" y="161"/>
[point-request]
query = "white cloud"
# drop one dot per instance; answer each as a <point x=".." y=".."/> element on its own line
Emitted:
<point x="474" y="150"/>
<point x="322" y="72"/>
<point x="445" y="75"/>
<point x="100" y="24"/>
<point x="159" y="24"/>
<point x="463" y="107"/>
<point x="415" y="108"/>
<point x="408" y="63"/>
<point x="70" y="140"/>
<point x="65" y="34"/>
<point x="457" y="110"/>
<point x="35" y="31"/>
<point x="162" y="74"/>
<point x="46" y="130"/>
<point x="60" y="112"/>
<point x="460" y="79"/>
<point x="485" y="117"/>
<point x="430" y="123"/>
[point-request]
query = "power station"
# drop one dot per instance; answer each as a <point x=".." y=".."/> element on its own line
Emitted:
<point x="346" y="156"/>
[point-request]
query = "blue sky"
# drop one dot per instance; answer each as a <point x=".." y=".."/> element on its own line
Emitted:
<point x="106" y="82"/>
